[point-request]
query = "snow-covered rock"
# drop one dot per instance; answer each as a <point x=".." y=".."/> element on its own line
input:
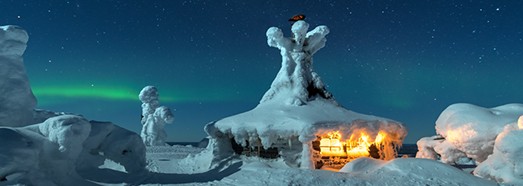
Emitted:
<point x="154" y="117"/>
<point x="16" y="98"/>
<point x="505" y="165"/>
<point x="472" y="129"/>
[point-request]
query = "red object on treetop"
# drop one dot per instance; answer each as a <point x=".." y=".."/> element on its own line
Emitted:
<point x="297" y="17"/>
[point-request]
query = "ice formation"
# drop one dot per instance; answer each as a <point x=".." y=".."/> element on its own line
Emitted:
<point x="469" y="130"/>
<point x="51" y="153"/>
<point x="297" y="109"/>
<point x="505" y="165"/>
<point x="16" y="98"/>
<point x="154" y="117"/>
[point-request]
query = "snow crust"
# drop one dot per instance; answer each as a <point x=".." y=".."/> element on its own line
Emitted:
<point x="154" y="117"/>
<point x="16" y="98"/>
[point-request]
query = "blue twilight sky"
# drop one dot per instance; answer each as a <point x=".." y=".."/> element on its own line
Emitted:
<point x="405" y="60"/>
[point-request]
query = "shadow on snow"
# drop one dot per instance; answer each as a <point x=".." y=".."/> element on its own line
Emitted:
<point x="113" y="177"/>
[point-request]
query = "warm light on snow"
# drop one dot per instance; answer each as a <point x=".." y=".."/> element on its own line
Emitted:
<point x="357" y="145"/>
<point x="520" y="122"/>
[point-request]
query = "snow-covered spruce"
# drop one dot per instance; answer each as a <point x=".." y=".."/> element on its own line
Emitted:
<point x="16" y="98"/>
<point x="296" y="82"/>
<point x="296" y="109"/>
<point x="154" y="117"/>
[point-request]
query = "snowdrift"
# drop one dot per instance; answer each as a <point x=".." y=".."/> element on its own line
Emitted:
<point x="409" y="171"/>
<point x="53" y="151"/>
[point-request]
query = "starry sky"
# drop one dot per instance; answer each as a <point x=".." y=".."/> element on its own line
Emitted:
<point x="404" y="60"/>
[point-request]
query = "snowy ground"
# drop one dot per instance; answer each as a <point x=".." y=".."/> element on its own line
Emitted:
<point x="185" y="165"/>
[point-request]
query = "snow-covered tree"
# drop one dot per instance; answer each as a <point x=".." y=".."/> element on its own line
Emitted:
<point x="296" y="82"/>
<point x="154" y="117"/>
<point x="16" y="98"/>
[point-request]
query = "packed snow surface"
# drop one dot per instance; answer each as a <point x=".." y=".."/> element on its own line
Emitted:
<point x="181" y="165"/>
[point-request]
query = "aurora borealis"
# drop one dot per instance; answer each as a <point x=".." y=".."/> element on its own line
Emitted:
<point x="405" y="60"/>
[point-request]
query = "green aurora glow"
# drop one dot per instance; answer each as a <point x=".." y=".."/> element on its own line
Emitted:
<point x="53" y="94"/>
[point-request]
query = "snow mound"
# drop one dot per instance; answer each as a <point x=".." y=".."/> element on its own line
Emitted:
<point x="16" y="98"/>
<point x="410" y="171"/>
<point x="505" y="165"/>
<point x="68" y="131"/>
<point x="472" y="129"/>
<point x="51" y="153"/>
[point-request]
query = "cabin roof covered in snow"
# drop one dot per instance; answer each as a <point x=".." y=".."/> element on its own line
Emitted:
<point x="274" y="119"/>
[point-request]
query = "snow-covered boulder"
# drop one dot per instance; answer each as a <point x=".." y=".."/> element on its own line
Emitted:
<point x="16" y="98"/>
<point x="505" y="165"/>
<point x="472" y="129"/>
<point x="154" y="117"/>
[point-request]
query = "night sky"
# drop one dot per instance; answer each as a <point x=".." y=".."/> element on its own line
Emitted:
<point x="404" y="60"/>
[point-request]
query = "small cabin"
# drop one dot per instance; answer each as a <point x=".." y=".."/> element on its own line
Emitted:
<point x="311" y="136"/>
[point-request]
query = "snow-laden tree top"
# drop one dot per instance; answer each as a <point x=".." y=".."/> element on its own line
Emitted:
<point x="16" y="98"/>
<point x="296" y="82"/>
<point x="13" y="40"/>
